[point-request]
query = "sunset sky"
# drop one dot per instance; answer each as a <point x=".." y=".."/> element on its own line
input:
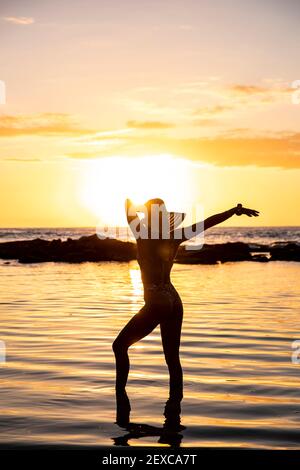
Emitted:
<point x="192" y="101"/>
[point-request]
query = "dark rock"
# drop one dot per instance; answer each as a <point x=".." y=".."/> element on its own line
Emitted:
<point x="285" y="252"/>
<point x="71" y="251"/>
<point x="212" y="254"/>
<point x="91" y="248"/>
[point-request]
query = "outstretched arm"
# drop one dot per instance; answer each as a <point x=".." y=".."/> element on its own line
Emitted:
<point x="186" y="233"/>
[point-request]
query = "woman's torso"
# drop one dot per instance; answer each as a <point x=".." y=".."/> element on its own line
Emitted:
<point x="156" y="258"/>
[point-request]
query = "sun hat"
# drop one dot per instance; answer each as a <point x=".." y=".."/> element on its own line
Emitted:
<point x="173" y="219"/>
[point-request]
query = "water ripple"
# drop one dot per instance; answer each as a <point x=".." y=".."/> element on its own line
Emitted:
<point x="58" y="322"/>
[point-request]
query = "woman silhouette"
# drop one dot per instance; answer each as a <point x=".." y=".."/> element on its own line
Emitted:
<point x="158" y="239"/>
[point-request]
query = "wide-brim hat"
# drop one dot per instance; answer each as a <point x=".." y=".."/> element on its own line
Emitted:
<point x="174" y="219"/>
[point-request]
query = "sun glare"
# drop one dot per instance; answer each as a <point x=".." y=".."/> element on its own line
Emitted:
<point x="107" y="182"/>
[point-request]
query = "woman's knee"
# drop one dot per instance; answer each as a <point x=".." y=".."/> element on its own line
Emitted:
<point x="119" y="346"/>
<point x="173" y="360"/>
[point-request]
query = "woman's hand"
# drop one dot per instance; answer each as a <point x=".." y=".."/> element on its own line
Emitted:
<point x="240" y="210"/>
<point x="128" y="204"/>
<point x="130" y="210"/>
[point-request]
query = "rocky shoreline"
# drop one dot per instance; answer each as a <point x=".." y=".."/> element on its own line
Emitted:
<point x="91" y="248"/>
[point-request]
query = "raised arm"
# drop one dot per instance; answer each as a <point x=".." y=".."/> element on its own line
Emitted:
<point x="132" y="217"/>
<point x="130" y="211"/>
<point x="186" y="233"/>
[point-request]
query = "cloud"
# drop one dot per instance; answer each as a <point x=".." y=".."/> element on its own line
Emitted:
<point x="39" y="124"/>
<point x="149" y="125"/>
<point x="203" y="99"/>
<point x="259" y="94"/>
<point x="83" y="155"/>
<point x="213" y="110"/>
<point x="21" y="20"/>
<point x="102" y="138"/>
<point x="239" y="149"/>
<point x="206" y="122"/>
<point x="230" y="101"/>
<point x="263" y="151"/>
<point x="248" y="89"/>
<point x="21" y="159"/>
<point x="206" y="116"/>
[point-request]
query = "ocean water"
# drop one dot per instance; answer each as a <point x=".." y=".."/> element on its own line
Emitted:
<point x="241" y="388"/>
<point x="263" y="235"/>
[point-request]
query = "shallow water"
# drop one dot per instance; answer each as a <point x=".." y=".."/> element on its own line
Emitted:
<point x="241" y="389"/>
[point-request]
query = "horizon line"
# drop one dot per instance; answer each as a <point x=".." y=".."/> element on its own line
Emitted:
<point x="125" y="226"/>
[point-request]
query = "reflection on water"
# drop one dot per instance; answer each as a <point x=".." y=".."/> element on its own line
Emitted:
<point x="241" y="388"/>
<point x="168" y="433"/>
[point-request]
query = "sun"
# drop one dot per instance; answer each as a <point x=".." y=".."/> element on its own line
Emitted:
<point x="107" y="182"/>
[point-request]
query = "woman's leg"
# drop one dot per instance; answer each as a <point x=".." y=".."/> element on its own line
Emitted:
<point x="137" y="328"/>
<point x="170" y="334"/>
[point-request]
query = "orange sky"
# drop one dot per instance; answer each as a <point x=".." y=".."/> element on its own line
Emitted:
<point x="190" y="101"/>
